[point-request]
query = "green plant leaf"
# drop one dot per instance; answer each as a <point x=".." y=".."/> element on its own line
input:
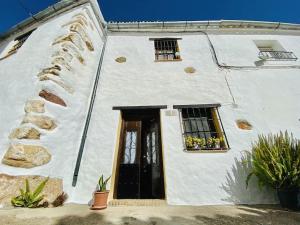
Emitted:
<point x="275" y="161"/>
<point x="27" y="189"/>
<point x="27" y="198"/>
<point x="40" y="188"/>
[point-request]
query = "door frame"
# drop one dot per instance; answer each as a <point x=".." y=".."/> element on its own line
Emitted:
<point x="118" y="150"/>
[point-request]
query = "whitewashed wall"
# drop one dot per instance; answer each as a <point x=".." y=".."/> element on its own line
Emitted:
<point x="267" y="98"/>
<point x="19" y="83"/>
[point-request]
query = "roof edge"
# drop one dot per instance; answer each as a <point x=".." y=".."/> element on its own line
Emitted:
<point x="51" y="11"/>
<point x="187" y="26"/>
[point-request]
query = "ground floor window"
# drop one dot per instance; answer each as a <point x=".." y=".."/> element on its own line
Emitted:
<point x="202" y="128"/>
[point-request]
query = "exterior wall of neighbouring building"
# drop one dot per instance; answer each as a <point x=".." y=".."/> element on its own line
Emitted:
<point x="265" y="95"/>
<point x="21" y="74"/>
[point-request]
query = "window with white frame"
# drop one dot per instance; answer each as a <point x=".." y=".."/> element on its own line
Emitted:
<point x="273" y="50"/>
<point x="202" y="128"/>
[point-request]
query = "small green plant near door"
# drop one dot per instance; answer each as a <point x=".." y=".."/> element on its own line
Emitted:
<point x="102" y="183"/>
<point x="101" y="194"/>
<point x="27" y="198"/>
<point x="275" y="162"/>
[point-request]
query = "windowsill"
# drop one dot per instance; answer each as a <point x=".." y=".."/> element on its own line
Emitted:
<point x="168" y="60"/>
<point x="212" y="150"/>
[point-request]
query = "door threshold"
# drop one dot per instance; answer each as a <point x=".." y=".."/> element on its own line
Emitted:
<point x="137" y="202"/>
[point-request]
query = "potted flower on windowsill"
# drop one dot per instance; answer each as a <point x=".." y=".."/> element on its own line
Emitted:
<point x="195" y="143"/>
<point x="276" y="163"/>
<point x="101" y="194"/>
<point x="215" y="142"/>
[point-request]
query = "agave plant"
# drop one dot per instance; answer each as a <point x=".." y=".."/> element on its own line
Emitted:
<point x="275" y="161"/>
<point x="27" y="198"/>
<point x="102" y="184"/>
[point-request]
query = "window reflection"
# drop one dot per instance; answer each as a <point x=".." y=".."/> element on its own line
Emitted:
<point x="130" y="147"/>
<point x="152" y="156"/>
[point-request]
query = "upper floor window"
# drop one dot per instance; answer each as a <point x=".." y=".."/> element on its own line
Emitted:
<point x="18" y="42"/>
<point x="166" y="49"/>
<point x="272" y="50"/>
<point x="202" y="128"/>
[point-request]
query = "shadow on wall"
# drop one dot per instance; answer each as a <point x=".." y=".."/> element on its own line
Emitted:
<point x="235" y="185"/>
<point x="247" y="216"/>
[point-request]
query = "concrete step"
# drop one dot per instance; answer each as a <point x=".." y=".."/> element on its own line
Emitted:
<point x="137" y="202"/>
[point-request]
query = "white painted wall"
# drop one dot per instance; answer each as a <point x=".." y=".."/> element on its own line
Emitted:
<point x="20" y="83"/>
<point x="267" y="98"/>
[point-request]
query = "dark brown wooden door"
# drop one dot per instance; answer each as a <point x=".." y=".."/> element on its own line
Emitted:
<point x="140" y="161"/>
<point x="129" y="169"/>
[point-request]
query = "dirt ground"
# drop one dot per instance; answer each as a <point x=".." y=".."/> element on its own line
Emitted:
<point x="75" y="214"/>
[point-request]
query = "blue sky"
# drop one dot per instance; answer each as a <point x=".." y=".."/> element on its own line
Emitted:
<point x="14" y="11"/>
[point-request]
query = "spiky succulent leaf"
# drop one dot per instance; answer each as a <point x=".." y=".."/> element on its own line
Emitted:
<point x="40" y="188"/>
<point x="275" y="161"/>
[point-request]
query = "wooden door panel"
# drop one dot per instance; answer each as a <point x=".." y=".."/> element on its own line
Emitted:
<point x="129" y="169"/>
<point x="140" y="173"/>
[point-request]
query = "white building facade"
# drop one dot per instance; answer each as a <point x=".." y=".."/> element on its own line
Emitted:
<point x="168" y="109"/>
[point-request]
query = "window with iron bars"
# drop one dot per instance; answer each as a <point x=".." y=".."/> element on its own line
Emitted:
<point x="273" y="51"/>
<point x="166" y="49"/>
<point x="202" y="128"/>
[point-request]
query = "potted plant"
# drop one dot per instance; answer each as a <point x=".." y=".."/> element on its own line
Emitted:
<point x="101" y="194"/>
<point x="218" y="142"/>
<point x="195" y="143"/>
<point x="275" y="162"/>
<point x="199" y="143"/>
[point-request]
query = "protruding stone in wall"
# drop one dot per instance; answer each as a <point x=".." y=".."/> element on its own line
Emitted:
<point x="67" y="56"/>
<point x="52" y="98"/>
<point x="61" y="83"/>
<point x="121" y="59"/>
<point x="244" y="125"/>
<point x="54" y="70"/>
<point x="25" y="133"/>
<point x="36" y="106"/>
<point x="61" y="61"/>
<point x="76" y="27"/>
<point x="69" y="47"/>
<point x="10" y="187"/>
<point x="75" y="20"/>
<point x="91" y="25"/>
<point x="189" y="69"/>
<point x="72" y="37"/>
<point x="82" y="17"/>
<point x="43" y="122"/>
<point x="26" y="156"/>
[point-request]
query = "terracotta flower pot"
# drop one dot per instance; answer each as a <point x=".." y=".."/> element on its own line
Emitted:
<point x="100" y="200"/>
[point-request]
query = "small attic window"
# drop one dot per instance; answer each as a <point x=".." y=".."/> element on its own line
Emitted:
<point x="273" y="50"/>
<point x="166" y="49"/>
<point x="18" y="42"/>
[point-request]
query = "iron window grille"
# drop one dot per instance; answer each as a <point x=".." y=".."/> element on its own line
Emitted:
<point x="202" y="128"/>
<point x="277" y="55"/>
<point x="166" y="49"/>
